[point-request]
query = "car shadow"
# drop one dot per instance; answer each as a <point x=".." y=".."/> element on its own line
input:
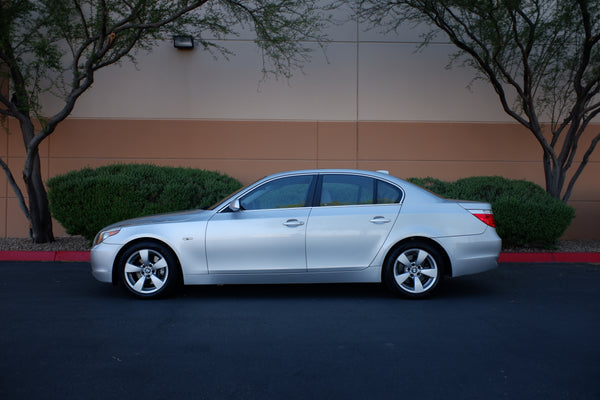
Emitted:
<point x="328" y="290"/>
<point x="464" y="288"/>
<point x="457" y="288"/>
<point x="451" y="288"/>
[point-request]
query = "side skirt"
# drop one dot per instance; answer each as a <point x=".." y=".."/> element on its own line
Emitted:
<point x="367" y="275"/>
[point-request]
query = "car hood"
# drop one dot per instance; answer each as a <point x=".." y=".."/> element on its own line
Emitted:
<point x="180" y="216"/>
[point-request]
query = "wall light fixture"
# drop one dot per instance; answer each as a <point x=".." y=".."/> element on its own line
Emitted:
<point x="184" y="42"/>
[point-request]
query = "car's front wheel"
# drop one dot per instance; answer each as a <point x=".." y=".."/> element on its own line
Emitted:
<point x="149" y="269"/>
<point x="414" y="270"/>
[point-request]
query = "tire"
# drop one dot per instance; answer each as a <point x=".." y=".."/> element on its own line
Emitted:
<point x="414" y="270"/>
<point x="149" y="270"/>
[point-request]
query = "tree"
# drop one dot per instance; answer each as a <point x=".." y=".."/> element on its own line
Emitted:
<point x="57" y="46"/>
<point x="542" y="59"/>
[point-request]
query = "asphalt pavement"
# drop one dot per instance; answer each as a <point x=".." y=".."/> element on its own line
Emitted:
<point x="522" y="331"/>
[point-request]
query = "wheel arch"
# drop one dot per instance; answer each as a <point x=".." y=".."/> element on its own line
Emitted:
<point x="448" y="264"/>
<point x="125" y="247"/>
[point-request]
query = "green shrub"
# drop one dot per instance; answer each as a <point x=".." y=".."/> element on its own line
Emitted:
<point x="87" y="200"/>
<point x="432" y="184"/>
<point x="525" y="213"/>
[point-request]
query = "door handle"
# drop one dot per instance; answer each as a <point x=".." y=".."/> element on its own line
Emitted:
<point x="292" y="223"/>
<point x="380" y="220"/>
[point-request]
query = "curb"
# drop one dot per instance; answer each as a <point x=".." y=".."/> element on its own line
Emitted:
<point x="84" y="256"/>
<point x="73" y="256"/>
<point x="549" y="257"/>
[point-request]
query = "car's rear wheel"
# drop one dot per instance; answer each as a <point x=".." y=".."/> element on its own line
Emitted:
<point x="414" y="270"/>
<point x="149" y="269"/>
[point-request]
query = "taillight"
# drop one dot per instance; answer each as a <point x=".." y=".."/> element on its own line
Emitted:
<point x="486" y="217"/>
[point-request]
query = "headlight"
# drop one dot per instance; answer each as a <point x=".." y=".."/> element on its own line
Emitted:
<point x="102" y="236"/>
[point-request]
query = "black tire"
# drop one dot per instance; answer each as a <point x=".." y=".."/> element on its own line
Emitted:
<point x="414" y="270"/>
<point x="149" y="270"/>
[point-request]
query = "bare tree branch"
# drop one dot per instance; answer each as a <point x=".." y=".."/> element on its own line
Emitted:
<point x="15" y="188"/>
<point x="582" y="165"/>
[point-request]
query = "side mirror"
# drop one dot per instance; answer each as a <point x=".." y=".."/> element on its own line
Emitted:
<point x="235" y="205"/>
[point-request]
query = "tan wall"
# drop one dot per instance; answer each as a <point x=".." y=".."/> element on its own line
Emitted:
<point x="249" y="150"/>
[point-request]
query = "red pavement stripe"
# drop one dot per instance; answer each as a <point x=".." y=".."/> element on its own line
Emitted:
<point x="45" y="256"/>
<point x="577" y="257"/>
<point x="550" y="257"/>
<point x="27" y="256"/>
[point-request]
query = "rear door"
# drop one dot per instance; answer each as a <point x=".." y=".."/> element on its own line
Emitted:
<point x="350" y="222"/>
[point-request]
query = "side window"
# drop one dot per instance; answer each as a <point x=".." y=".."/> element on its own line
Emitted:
<point x="341" y="190"/>
<point x="387" y="193"/>
<point x="280" y="193"/>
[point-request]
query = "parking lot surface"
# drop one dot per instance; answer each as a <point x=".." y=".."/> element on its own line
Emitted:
<point x="527" y="331"/>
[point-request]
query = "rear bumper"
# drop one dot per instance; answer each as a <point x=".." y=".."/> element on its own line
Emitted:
<point x="474" y="253"/>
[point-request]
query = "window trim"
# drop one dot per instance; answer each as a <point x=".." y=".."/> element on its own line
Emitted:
<point x="316" y="201"/>
<point x="314" y="190"/>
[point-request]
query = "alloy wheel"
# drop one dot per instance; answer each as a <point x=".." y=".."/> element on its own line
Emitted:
<point x="146" y="271"/>
<point x="416" y="271"/>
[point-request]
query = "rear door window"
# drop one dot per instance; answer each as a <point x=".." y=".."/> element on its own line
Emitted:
<point x="345" y="190"/>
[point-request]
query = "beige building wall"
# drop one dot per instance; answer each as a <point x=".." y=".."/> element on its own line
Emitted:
<point x="370" y="101"/>
<point x="249" y="150"/>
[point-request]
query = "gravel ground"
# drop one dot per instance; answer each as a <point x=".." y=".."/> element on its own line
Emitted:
<point x="70" y="243"/>
<point x="76" y="243"/>
<point x="563" y="246"/>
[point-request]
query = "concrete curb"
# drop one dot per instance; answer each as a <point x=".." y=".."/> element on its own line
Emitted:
<point x="84" y="256"/>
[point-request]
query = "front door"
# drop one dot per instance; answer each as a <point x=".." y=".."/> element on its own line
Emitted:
<point x="267" y="234"/>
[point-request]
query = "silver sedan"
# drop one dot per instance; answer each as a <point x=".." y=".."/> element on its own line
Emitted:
<point x="308" y="226"/>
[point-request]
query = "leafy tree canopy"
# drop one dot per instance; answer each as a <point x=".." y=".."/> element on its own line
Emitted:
<point x="542" y="58"/>
<point x="57" y="46"/>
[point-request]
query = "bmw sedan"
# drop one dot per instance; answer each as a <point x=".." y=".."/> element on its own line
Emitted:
<point x="308" y="226"/>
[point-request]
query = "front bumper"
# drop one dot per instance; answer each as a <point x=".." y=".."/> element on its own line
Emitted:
<point x="102" y="259"/>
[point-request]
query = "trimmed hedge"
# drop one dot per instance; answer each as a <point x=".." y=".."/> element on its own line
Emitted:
<point x="525" y="214"/>
<point x="87" y="200"/>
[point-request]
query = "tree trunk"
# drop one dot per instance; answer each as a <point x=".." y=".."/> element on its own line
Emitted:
<point x="39" y="212"/>
<point x="554" y="177"/>
<point x="40" y="220"/>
